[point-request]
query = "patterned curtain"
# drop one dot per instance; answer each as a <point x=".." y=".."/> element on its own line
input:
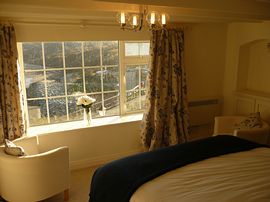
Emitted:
<point x="166" y="120"/>
<point x="11" y="118"/>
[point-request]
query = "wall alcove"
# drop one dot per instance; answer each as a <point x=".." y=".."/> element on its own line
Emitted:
<point x="254" y="67"/>
<point x="253" y="79"/>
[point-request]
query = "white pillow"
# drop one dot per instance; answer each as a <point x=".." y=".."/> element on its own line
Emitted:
<point x="12" y="149"/>
<point x="252" y="121"/>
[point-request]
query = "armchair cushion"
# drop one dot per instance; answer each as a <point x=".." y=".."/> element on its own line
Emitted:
<point x="13" y="149"/>
<point x="252" y="121"/>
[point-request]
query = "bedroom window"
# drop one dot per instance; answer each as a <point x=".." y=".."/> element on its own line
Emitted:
<point x="55" y="74"/>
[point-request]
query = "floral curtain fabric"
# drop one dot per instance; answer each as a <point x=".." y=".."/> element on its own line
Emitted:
<point x="166" y="120"/>
<point x="11" y="118"/>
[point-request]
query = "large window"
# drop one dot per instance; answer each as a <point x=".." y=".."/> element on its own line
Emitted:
<point x="57" y="73"/>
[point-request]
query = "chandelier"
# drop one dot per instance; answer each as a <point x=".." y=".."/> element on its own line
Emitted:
<point x="135" y="21"/>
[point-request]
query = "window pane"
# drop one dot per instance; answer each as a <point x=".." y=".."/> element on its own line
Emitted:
<point x="110" y="53"/>
<point x="133" y="100"/>
<point x="137" y="49"/>
<point x="75" y="111"/>
<point x="74" y="81"/>
<point x="73" y="54"/>
<point x="111" y="103"/>
<point x="110" y="78"/>
<point x="53" y="55"/>
<point x="92" y="53"/>
<point x="34" y="83"/>
<point x="57" y="110"/>
<point x="131" y="49"/>
<point x="93" y="80"/>
<point x="135" y="97"/>
<point x="144" y="48"/>
<point x="97" y="105"/>
<point x="55" y="83"/>
<point x="132" y="77"/>
<point x="143" y="99"/>
<point x="144" y="74"/>
<point x="37" y="112"/>
<point x="32" y="56"/>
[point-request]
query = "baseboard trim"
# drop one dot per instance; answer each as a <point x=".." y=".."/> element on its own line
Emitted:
<point x="96" y="161"/>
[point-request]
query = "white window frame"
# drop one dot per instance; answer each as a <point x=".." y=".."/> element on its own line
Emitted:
<point x="123" y="62"/>
<point x="131" y="60"/>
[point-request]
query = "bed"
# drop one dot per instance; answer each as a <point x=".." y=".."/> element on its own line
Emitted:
<point x="220" y="168"/>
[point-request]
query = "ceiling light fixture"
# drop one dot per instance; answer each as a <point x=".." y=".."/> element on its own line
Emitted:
<point x="135" y="21"/>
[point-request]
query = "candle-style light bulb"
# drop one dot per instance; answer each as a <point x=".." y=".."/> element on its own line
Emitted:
<point x="134" y="21"/>
<point x="153" y="18"/>
<point x="163" y="19"/>
<point x="123" y="18"/>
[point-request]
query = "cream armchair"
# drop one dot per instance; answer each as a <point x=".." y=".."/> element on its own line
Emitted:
<point x="226" y="125"/>
<point x="35" y="176"/>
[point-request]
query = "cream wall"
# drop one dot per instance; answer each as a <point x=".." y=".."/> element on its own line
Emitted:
<point x="61" y="32"/>
<point x="96" y="145"/>
<point x="204" y="55"/>
<point x="239" y="34"/>
<point x="205" y="50"/>
<point x="92" y="145"/>
<point x="259" y="67"/>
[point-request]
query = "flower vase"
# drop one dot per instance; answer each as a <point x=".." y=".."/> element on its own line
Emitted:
<point x="87" y="116"/>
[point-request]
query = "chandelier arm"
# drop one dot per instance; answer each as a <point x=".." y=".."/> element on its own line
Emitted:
<point x="141" y="21"/>
<point x="143" y="15"/>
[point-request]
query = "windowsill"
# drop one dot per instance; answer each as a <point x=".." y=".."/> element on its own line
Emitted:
<point x="38" y="130"/>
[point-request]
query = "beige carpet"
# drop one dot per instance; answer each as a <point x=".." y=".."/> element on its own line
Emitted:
<point x="79" y="186"/>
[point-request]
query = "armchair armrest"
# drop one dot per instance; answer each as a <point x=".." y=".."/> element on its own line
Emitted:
<point x="226" y="124"/>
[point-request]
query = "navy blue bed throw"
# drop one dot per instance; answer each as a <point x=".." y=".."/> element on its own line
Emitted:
<point x="118" y="180"/>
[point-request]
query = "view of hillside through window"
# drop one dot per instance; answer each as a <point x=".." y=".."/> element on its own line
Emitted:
<point x="57" y="73"/>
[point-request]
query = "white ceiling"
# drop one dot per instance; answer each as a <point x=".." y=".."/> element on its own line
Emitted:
<point x="103" y="11"/>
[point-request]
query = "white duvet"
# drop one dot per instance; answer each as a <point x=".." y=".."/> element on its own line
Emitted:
<point x="237" y="177"/>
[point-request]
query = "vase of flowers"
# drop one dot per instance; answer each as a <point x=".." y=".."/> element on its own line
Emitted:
<point x="86" y="102"/>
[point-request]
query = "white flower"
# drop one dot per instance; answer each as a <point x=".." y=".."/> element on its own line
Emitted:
<point x="85" y="101"/>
